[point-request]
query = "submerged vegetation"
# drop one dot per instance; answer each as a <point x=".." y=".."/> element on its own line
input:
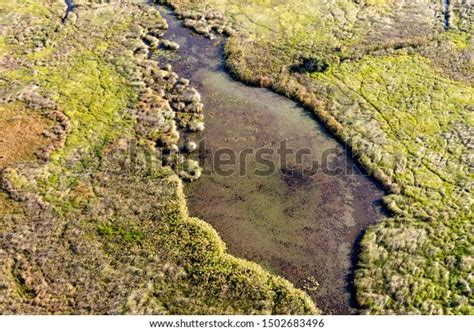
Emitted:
<point x="78" y="236"/>
<point x="393" y="84"/>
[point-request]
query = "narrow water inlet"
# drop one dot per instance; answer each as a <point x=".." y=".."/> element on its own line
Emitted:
<point x="447" y="13"/>
<point x="298" y="221"/>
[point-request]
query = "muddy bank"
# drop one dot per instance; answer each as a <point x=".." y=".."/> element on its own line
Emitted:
<point x="298" y="220"/>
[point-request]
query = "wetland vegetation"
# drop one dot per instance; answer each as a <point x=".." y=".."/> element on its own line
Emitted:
<point x="94" y="92"/>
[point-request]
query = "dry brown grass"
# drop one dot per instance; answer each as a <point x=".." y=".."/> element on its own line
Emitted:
<point x="21" y="134"/>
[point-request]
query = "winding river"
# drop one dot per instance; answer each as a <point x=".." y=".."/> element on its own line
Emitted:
<point x="295" y="220"/>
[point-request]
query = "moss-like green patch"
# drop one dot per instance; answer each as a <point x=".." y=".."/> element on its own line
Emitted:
<point x="108" y="231"/>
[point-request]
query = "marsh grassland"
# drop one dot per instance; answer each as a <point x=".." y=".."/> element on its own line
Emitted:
<point x="390" y="80"/>
<point x="89" y="100"/>
<point x="79" y="236"/>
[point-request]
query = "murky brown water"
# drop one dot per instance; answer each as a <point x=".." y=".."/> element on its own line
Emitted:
<point x="298" y="222"/>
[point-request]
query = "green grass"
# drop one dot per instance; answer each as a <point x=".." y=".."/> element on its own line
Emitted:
<point x="109" y="231"/>
<point x="413" y="109"/>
